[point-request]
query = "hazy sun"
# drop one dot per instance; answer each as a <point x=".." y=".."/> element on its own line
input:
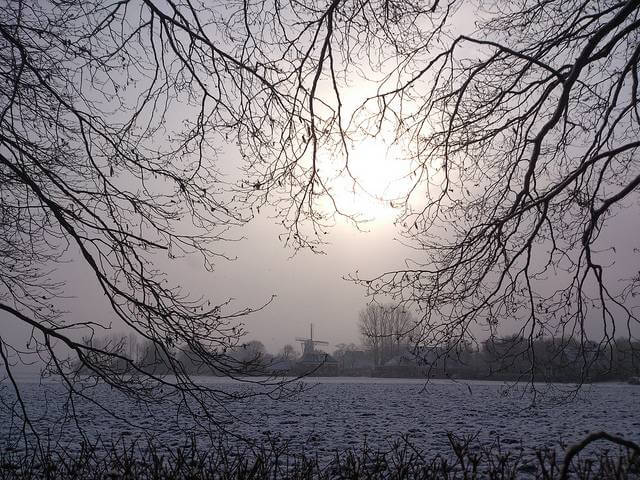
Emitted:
<point x="380" y="174"/>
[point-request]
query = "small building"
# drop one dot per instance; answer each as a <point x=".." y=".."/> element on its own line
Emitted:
<point x="357" y="359"/>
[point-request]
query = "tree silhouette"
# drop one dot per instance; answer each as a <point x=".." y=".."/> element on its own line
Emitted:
<point x="385" y="330"/>
<point x="109" y="115"/>
<point x="524" y="143"/>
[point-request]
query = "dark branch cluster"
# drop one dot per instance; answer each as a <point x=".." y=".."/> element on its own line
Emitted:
<point x="109" y="112"/>
<point x="112" y="118"/>
<point x="525" y="142"/>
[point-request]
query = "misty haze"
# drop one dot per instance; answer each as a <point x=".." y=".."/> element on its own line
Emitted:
<point x="339" y="239"/>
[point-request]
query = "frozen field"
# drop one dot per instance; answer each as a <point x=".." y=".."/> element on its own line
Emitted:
<point x="338" y="413"/>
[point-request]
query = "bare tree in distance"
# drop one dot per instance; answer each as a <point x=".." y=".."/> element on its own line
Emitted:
<point x="385" y="330"/>
<point x="289" y="352"/>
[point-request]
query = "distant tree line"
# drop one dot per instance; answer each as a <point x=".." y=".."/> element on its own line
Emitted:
<point x="391" y="339"/>
<point x="559" y="359"/>
<point x="117" y="353"/>
<point x="513" y="357"/>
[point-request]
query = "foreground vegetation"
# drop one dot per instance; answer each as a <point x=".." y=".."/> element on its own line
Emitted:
<point x="466" y="460"/>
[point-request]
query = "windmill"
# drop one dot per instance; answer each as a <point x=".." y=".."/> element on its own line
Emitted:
<point x="309" y="344"/>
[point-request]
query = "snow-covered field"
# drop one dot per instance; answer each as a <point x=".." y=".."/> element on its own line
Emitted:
<point x="338" y="413"/>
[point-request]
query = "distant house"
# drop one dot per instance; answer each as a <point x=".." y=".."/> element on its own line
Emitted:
<point x="354" y="359"/>
<point x="316" y="358"/>
<point x="412" y="362"/>
<point x="404" y="359"/>
<point x="280" y="366"/>
<point x="317" y="363"/>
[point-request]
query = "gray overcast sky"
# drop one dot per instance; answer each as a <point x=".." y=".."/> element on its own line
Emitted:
<point x="309" y="287"/>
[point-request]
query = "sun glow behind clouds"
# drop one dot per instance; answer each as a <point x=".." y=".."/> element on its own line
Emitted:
<point x="379" y="178"/>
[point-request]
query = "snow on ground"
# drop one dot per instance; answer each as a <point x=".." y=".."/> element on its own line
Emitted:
<point x="339" y="413"/>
